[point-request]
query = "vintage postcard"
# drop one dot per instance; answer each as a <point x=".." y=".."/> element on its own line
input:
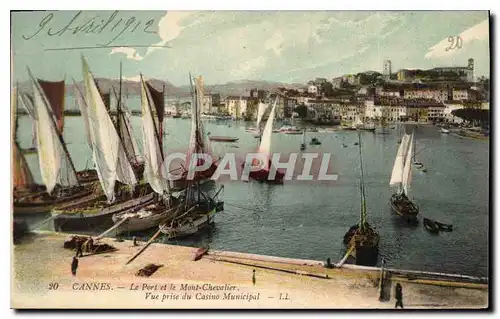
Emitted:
<point x="250" y="159"/>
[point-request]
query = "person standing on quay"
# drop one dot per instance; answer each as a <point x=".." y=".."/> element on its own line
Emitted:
<point x="399" y="295"/>
<point x="253" y="277"/>
<point x="74" y="266"/>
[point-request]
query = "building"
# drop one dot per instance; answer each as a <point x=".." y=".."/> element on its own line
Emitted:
<point x="338" y="82"/>
<point x="464" y="94"/>
<point x="323" y="110"/>
<point x="438" y="94"/>
<point x="464" y="73"/>
<point x="387" y="69"/>
<point x="263" y="95"/>
<point x="236" y="106"/>
<point x="403" y="75"/>
<point x="206" y="105"/>
<point x="215" y="99"/>
<point x="312" y="89"/>
<point x="436" y="113"/>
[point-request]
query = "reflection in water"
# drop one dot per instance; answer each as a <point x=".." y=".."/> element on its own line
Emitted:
<point x="308" y="220"/>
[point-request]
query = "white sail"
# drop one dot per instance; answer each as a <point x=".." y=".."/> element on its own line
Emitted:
<point x="260" y="112"/>
<point x="109" y="155"/>
<point x="128" y="127"/>
<point x="265" y="144"/>
<point x="407" y="169"/>
<point x="151" y="145"/>
<point x="55" y="166"/>
<point x="80" y="101"/>
<point x="397" y="169"/>
<point x="358" y="121"/>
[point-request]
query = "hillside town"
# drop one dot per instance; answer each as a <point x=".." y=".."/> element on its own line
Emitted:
<point x="424" y="96"/>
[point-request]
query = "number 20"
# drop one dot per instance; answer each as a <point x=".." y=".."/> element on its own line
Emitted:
<point x="455" y="43"/>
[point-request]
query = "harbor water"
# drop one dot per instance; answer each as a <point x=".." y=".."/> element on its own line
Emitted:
<point x="308" y="220"/>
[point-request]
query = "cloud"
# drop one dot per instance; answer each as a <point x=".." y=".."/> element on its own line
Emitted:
<point x="168" y="29"/>
<point x="479" y="32"/>
<point x="130" y="53"/>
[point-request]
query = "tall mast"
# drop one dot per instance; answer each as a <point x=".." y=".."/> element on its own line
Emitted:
<point x="118" y="105"/>
<point x="362" y="220"/>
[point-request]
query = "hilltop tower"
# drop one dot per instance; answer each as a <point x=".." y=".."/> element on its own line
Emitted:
<point x="470" y="71"/>
<point x="387" y="68"/>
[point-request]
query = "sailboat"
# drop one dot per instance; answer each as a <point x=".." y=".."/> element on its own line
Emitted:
<point x="359" y="124"/>
<point x="401" y="176"/>
<point x="58" y="172"/>
<point x="362" y="240"/>
<point x="112" y="166"/>
<point x="156" y="212"/>
<point x="198" y="138"/>
<point x="260" y="113"/>
<point x="198" y="209"/>
<point x="264" y="149"/>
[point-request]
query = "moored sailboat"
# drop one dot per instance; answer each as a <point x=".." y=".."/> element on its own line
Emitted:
<point x="156" y="212"/>
<point x="401" y="176"/>
<point x="58" y="173"/>
<point x="112" y="165"/>
<point x="362" y="239"/>
<point x="262" y="174"/>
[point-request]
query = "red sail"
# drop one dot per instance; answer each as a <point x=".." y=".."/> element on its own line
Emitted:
<point x="22" y="174"/>
<point x="159" y="101"/>
<point x="55" y="92"/>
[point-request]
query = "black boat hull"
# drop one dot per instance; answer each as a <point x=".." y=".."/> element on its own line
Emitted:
<point x="404" y="208"/>
<point x="98" y="221"/>
<point x="364" y="254"/>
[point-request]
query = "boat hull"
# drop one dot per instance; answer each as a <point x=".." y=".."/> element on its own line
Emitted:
<point x="365" y="251"/>
<point x="136" y="224"/>
<point x="102" y="219"/>
<point x="404" y="207"/>
<point x="29" y="208"/>
<point x="188" y="229"/>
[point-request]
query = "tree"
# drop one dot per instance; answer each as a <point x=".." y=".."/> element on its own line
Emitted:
<point x="327" y="88"/>
<point x="473" y="115"/>
<point x="301" y="110"/>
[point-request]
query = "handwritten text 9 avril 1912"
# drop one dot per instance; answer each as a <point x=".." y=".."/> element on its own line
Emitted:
<point x="113" y="24"/>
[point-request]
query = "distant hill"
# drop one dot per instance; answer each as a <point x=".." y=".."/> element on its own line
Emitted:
<point x="133" y="87"/>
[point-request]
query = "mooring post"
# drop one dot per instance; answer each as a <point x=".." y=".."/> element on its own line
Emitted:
<point x="381" y="282"/>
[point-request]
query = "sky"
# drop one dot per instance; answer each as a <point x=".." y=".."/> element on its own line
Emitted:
<point x="225" y="46"/>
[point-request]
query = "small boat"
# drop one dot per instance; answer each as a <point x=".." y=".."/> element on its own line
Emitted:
<point x="302" y="146"/>
<point x="436" y="226"/>
<point x="431" y="226"/>
<point x="315" y="141"/>
<point x="343" y="145"/>
<point x="198" y="220"/>
<point x="355" y="143"/>
<point x="445" y="131"/>
<point x="145" y="218"/>
<point x="293" y="132"/>
<point x="252" y="129"/>
<point x="223" y="138"/>
<point x="312" y="129"/>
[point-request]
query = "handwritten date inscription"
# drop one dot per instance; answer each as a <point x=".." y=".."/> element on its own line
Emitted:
<point x="455" y="43"/>
<point x="113" y="24"/>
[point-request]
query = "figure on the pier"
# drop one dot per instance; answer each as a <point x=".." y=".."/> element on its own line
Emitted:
<point x="74" y="266"/>
<point x="79" y="251"/>
<point x="399" y="295"/>
<point x="135" y="241"/>
<point x="253" y="277"/>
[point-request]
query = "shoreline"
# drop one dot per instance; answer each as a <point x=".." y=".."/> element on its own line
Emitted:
<point x="283" y="283"/>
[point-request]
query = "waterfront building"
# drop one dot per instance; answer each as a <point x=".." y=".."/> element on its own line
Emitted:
<point x="436" y="113"/>
<point x="206" y="105"/>
<point x="236" y="106"/>
<point x="338" y="82"/>
<point x="215" y="99"/>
